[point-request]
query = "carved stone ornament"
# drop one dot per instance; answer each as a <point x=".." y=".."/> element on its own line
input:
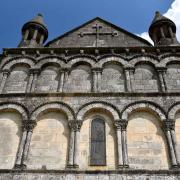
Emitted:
<point x="121" y="124"/>
<point x="75" y="125"/>
<point x="29" y="125"/>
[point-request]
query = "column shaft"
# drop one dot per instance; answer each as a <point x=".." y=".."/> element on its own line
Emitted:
<point x="30" y="81"/>
<point x="176" y="150"/>
<point x="71" y="150"/>
<point x="128" y="80"/>
<point x="3" y="82"/>
<point x="161" y="80"/>
<point x="125" y="151"/>
<point x="99" y="81"/>
<point x="30" y="125"/>
<point x="61" y="81"/>
<point x="171" y="149"/>
<point x="21" y="149"/>
<point x="94" y="83"/>
<point x="41" y="39"/>
<point x="162" y="32"/>
<point x="76" y="149"/>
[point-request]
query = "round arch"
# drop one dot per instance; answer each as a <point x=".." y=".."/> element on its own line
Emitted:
<point x="81" y="60"/>
<point x="168" y="60"/>
<point x="113" y="59"/>
<point x="17" y="107"/>
<point x="18" y="61"/>
<point x="50" y="60"/>
<point x="143" y="59"/>
<point x="54" y="105"/>
<point x="173" y="110"/>
<point x="143" y="105"/>
<point x="100" y="105"/>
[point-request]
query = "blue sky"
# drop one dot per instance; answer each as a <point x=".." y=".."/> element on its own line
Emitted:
<point x="63" y="15"/>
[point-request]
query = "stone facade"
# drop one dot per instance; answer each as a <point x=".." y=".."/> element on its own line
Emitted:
<point x="50" y="95"/>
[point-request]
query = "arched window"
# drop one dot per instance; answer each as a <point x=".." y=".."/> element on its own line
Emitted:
<point x="98" y="143"/>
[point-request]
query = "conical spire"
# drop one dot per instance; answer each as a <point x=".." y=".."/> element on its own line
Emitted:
<point x="38" y="20"/>
<point x="163" y="31"/>
<point x="159" y="17"/>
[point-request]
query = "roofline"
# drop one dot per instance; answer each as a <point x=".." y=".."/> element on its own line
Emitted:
<point x="98" y="18"/>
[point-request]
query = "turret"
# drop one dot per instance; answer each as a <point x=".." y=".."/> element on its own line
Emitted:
<point x="34" y="33"/>
<point x="163" y="31"/>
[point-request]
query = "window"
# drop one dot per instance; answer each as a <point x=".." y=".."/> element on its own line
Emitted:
<point x="98" y="143"/>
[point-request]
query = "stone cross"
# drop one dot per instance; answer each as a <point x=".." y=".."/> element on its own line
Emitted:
<point x="97" y="33"/>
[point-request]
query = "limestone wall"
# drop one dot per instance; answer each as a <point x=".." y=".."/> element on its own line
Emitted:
<point x="10" y="134"/>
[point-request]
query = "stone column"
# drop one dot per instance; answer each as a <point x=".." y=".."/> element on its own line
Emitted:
<point x="99" y="74"/>
<point x="171" y="32"/>
<point x="161" y="74"/>
<point x="35" y="76"/>
<point x="26" y="34"/>
<point x="96" y="79"/>
<point x="41" y="40"/>
<point x="30" y="125"/>
<point x="4" y="78"/>
<point x="128" y="72"/>
<point x="168" y="126"/>
<point x="30" y="81"/>
<point x="61" y="80"/>
<point x="117" y="125"/>
<point x="171" y="125"/>
<point x="73" y="144"/>
<point x="18" y="162"/>
<point x="162" y="32"/>
<point x="124" y="124"/>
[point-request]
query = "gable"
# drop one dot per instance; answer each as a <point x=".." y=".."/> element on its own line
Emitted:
<point x="98" y="33"/>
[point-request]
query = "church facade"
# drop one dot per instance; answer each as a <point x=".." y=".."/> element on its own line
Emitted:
<point x="95" y="103"/>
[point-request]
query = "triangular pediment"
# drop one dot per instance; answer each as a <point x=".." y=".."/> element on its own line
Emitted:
<point x="98" y="33"/>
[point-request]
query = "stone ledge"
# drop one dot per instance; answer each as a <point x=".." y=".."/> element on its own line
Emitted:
<point x="125" y="171"/>
<point x="90" y="94"/>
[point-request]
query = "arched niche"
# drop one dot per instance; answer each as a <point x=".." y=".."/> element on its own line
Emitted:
<point x="85" y="142"/>
<point x="79" y="79"/>
<point x="147" y="148"/>
<point x="177" y="129"/>
<point x="49" y="143"/>
<point x="173" y="77"/>
<point x="112" y="79"/>
<point x="145" y="78"/>
<point x="48" y="79"/>
<point x="17" y="79"/>
<point x="10" y="135"/>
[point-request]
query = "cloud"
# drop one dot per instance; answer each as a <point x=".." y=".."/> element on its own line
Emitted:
<point x="173" y="13"/>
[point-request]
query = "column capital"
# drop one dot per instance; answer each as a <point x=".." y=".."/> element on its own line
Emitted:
<point x="161" y="69"/>
<point x="65" y="69"/>
<point x="169" y="125"/>
<point x="29" y="125"/>
<point x="6" y="71"/>
<point x="120" y="124"/>
<point x="75" y="125"/>
<point x="34" y="70"/>
<point x="129" y="68"/>
<point x="97" y="69"/>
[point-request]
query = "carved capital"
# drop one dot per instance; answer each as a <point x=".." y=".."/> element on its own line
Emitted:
<point x="121" y="124"/>
<point x="161" y="69"/>
<point x="6" y="72"/>
<point x="97" y="70"/>
<point x="169" y="125"/>
<point x="34" y="71"/>
<point x="75" y="125"/>
<point x="28" y="125"/>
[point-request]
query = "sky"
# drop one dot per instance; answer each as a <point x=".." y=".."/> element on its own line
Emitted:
<point x="63" y="15"/>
